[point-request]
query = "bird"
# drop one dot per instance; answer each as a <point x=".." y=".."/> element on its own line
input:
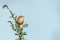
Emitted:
<point x="20" y="20"/>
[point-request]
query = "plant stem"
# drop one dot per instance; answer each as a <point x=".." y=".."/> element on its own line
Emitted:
<point x="19" y="32"/>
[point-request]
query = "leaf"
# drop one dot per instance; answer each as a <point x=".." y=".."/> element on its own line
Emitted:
<point x="5" y="6"/>
<point x="25" y="33"/>
<point x="11" y="14"/>
<point x="15" y="18"/>
<point x="12" y="25"/>
<point x="16" y="34"/>
<point x="25" y="25"/>
<point x="10" y="22"/>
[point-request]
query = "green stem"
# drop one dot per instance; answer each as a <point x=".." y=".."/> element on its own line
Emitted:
<point x="20" y="33"/>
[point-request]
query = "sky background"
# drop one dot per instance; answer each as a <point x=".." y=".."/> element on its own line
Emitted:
<point x="43" y="17"/>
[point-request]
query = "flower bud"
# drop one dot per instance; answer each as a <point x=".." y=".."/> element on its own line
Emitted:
<point x="20" y="20"/>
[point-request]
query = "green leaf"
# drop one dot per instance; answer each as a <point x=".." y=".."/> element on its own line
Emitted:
<point x="16" y="34"/>
<point x="5" y="6"/>
<point x="25" y="25"/>
<point x="10" y="22"/>
<point x="25" y="33"/>
<point x="15" y="18"/>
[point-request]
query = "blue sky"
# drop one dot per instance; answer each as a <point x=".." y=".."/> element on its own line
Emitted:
<point x="43" y="17"/>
